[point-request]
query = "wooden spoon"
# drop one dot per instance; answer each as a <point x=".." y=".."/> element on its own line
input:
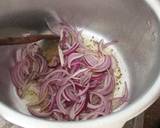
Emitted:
<point x="26" y="39"/>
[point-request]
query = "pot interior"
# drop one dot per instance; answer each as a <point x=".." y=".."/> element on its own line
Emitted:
<point x="132" y="22"/>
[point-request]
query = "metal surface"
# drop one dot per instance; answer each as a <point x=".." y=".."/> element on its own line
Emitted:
<point x="132" y="22"/>
<point x="135" y="123"/>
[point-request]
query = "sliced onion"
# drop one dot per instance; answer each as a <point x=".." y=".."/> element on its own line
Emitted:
<point x="54" y="62"/>
<point x="102" y="99"/>
<point x="17" y="75"/>
<point x="91" y="60"/>
<point x="84" y="90"/>
<point x="123" y="98"/>
<point x="73" y="57"/>
<point x="102" y="45"/>
<point x="72" y="49"/>
<point x="85" y="79"/>
<point x="77" y="108"/>
<point x="58" y="99"/>
<point x="91" y="115"/>
<point x="107" y="84"/>
<point x="42" y="62"/>
<point x="19" y="55"/>
<point x="61" y="56"/>
<point x="55" y="73"/>
<point x="79" y="72"/>
<point x="39" y="114"/>
<point x="103" y="65"/>
<point x="67" y="86"/>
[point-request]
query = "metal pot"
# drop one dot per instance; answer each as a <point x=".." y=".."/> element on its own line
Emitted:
<point x="136" y="23"/>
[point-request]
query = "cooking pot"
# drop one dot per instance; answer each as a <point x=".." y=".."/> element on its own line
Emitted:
<point x="135" y="23"/>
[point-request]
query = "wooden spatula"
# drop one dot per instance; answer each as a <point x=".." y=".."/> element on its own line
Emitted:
<point x="26" y="39"/>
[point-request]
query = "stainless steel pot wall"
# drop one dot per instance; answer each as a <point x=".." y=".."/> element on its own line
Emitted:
<point x="134" y="22"/>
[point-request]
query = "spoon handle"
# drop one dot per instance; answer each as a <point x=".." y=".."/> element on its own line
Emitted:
<point x="26" y="39"/>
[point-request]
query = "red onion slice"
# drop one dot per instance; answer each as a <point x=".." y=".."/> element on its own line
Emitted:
<point x="39" y="114"/>
<point x="58" y="99"/>
<point x="102" y="99"/>
<point x="77" y="108"/>
<point x="61" y="56"/>
<point x="91" y="60"/>
<point x="73" y="57"/>
<point x="78" y="83"/>
<point x="84" y="90"/>
<point x="103" y="65"/>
